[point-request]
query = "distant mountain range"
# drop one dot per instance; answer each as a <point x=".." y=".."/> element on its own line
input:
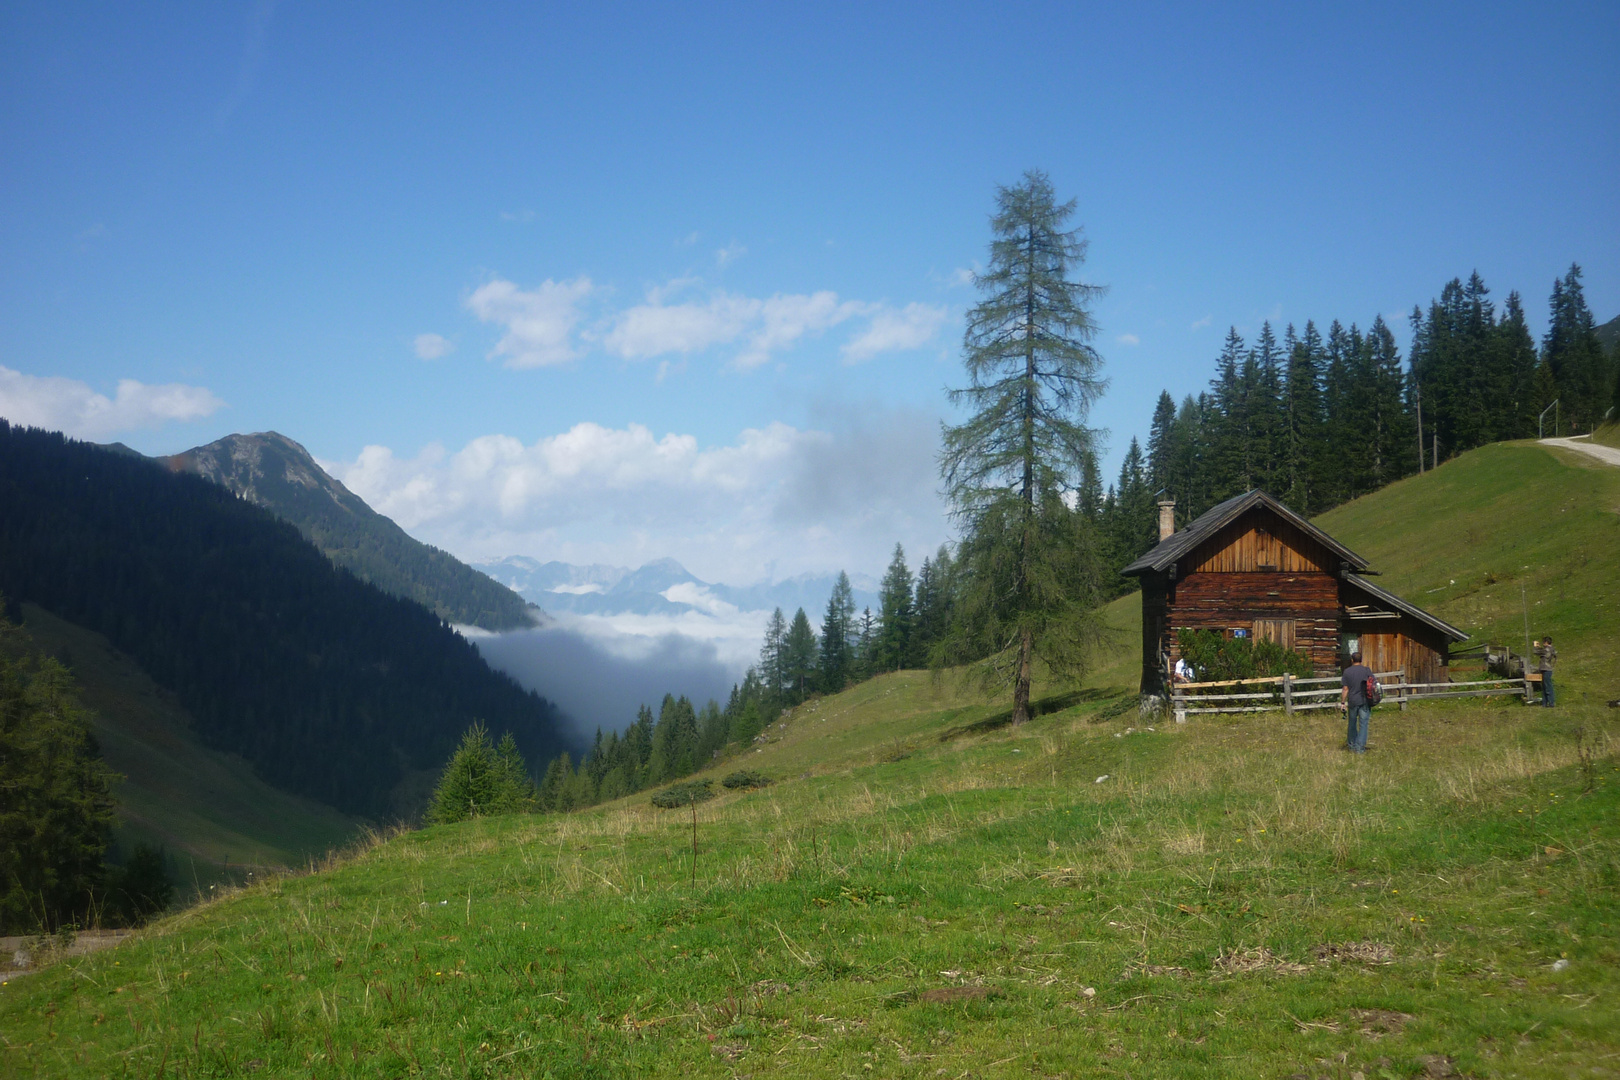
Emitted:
<point x="662" y="587"/>
<point x="270" y="470"/>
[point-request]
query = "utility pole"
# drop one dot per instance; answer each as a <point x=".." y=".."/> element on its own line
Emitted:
<point x="1418" y="390"/>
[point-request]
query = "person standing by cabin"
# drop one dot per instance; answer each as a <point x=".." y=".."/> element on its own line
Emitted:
<point x="1545" y="655"/>
<point x="1353" y="701"/>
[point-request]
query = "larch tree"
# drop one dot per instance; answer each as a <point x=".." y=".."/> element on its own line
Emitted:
<point x="1027" y="571"/>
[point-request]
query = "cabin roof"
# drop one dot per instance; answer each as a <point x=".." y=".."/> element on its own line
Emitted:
<point x="1409" y="608"/>
<point x="1218" y="517"/>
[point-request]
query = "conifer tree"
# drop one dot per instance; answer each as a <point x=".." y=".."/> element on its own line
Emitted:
<point x="865" y="642"/>
<point x="835" y="663"/>
<point x="892" y="650"/>
<point x="773" y="657"/>
<point x="1189" y="476"/>
<point x="1574" y="354"/>
<point x="799" y="658"/>
<point x="1301" y="415"/>
<point x="482" y="779"/>
<point x="1160" y="433"/>
<point x="1032" y="377"/>
<point x="1383" y="413"/>
<point x="1264" y="384"/>
<point x="1230" y="435"/>
<point x="56" y="807"/>
<point x="1519" y="359"/>
<point x="1090" y="499"/>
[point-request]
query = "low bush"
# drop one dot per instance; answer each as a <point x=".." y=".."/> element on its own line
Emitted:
<point x="746" y="779"/>
<point x="1217" y="658"/>
<point x="685" y="794"/>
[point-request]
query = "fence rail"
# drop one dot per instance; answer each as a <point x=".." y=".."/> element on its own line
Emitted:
<point x="1288" y="698"/>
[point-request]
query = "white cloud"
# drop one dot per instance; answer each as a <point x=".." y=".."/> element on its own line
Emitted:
<point x="1128" y="339"/>
<point x="894" y="331"/>
<point x="433" y="346"/>
<point x="539" y="323"/>
<point x="960" y="276"/>
<point x="681" y="317"/>
<point x="521" y="216"/>
<point x="777" y="499"/>
<point x="1201" y="323"/>
<point x="729" y="254"/>
<point x="785" y="319"/>
<point x="71" y="406"/>
<point x="656" y="328"/>
<point x="690" y="592"/>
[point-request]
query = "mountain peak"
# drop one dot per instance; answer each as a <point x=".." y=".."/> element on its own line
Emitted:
<point x="267" y="469"/>
<point x="272" y="471"/>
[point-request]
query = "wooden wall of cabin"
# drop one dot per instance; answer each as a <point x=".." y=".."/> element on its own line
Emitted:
<point x="1259" y="542"/>
<point x="1224" y="601"/>
<point x="1404" y="644"/>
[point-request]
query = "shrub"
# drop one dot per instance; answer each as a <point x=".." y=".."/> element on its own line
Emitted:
<point x="746" y="779"/>
<point x="1217" y="658"/>
<point x="692" y="791"/>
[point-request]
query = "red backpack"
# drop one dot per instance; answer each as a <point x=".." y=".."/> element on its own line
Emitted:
<point x="1372" y="691"/>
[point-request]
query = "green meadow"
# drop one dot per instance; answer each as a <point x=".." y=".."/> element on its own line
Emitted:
<point x="924" y="891"/>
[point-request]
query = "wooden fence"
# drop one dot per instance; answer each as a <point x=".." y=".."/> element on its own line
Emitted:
<point x="1290" y="694"/>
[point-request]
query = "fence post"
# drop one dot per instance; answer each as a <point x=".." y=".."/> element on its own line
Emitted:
<point x="1180" y="702"/>
<point x="1406" y="691"/>
<point x="1288" y="694"/>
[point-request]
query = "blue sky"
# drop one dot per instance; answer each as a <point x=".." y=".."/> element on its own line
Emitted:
<point x="690" y="283"/>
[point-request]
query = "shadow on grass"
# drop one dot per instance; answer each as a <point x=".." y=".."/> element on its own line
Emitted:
<point x="1037" y="708"/>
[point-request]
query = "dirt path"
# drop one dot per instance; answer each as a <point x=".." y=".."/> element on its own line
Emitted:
<point x="1603" y="453"/>
<point x="18" y="954"/>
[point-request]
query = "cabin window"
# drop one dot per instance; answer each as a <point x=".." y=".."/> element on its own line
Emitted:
<point x="1349" y="643"/>
<point x="1238" y="632"/>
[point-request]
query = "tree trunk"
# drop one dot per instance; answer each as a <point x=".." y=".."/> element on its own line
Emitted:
<point x="1026" y="655"/>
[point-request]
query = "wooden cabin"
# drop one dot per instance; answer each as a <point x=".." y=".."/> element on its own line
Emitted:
<point x="1251" y="567"/>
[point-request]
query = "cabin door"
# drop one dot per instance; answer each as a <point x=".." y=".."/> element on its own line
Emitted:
<point x="1279" y="630"/>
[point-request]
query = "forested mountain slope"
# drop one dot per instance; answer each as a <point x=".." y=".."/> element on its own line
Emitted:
<point x="331" y="688"/>
<point x="205" y="808"/>
<point x="272" y="471"/>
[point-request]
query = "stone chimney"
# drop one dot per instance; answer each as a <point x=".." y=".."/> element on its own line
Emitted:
<point x="1167" y="519"/>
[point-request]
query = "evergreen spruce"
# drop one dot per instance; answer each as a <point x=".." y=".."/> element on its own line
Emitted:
<point x="893" y="648"/>
<point x="483" y="779"/>
<point x="799" y="658"/>
<point x="836" y="662"/>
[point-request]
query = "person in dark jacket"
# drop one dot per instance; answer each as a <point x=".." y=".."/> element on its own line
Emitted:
<point x="1353" y="701"/>
<point x="1545" y="655"/>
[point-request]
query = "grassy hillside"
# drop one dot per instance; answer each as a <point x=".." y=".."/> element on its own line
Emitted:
<point x="924" y="893"/>
<point x="206" y="808"/>
<point x="1463" y="539"/>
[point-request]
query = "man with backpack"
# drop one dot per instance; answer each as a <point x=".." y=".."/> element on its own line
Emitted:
<point x="1353" y="699"/>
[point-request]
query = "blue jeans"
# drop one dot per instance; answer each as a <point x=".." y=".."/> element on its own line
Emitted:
<point x="1546" y="689"/>
<point x="1359" y="717"/>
